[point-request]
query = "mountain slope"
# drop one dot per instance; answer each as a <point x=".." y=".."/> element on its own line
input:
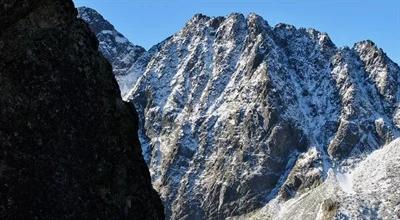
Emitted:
<point x="235" y="112"/>
<point x="69" y="144"/>
<point x="366" y="191"/>
<point x="116" y="48"/>
<point x="237" y="115"/>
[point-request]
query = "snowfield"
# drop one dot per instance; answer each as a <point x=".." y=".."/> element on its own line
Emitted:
<point x="369" y="190"/>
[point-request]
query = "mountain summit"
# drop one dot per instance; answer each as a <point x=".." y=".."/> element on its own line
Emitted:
<point x="243" y="119"/>
<point x="114" y="46"/>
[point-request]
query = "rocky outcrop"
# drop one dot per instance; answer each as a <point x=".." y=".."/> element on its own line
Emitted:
<point x="116" y="48"/>
<point x="113" y="45"/>
<point x="69" y="144"/>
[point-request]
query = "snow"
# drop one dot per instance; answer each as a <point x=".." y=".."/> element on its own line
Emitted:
<point x="121" y="40"/>
<point x="367" y="190"/>
<point x="375" y="181"/>
<point x="121" y="53"/>
<point x="345" y="181"/>
<point x="107" y="32"/>
<point x="207" y="113"/>
<point x="205" y="90"/>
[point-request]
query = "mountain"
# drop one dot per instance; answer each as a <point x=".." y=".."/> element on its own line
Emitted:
<point x="116" y="48"/>
<point x="69" y="144"/>
<point x="240" y="119"/>
<point x="367" y="191"/>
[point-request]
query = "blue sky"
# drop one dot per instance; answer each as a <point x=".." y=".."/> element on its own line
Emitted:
<point x="148" y="22"/>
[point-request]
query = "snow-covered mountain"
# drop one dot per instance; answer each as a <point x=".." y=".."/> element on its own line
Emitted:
<point x="117" y="49"/>
<point x="241" y="117"/>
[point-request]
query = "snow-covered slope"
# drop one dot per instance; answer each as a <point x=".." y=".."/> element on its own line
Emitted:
<point x="238" y="115"/>
<point x="368" y="190"/>
<point x="236" y="112"/>
<point x="118" y="50"/>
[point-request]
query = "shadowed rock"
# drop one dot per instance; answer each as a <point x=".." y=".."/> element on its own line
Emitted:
<point x="69" y="145"/>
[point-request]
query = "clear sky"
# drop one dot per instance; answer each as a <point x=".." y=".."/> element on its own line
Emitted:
<point x="148" y="22"/>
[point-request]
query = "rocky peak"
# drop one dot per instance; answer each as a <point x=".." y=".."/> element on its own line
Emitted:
<point x="257" y="21"/>
<point x="370" y="53"/>
<point x="91" y="16"/>
<point x="379" y="68"/>
<point x="198" y="18"/>
<point x="118" y="50"/>
<point x="237" y="115"/>
<point x="322" y="38"/>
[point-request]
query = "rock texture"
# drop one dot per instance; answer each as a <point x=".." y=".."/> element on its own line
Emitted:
<point x="69" y="144"/>
<point x="237" y="115"/>
<point x="118" y="50"/>
<point x="368" y="190"/>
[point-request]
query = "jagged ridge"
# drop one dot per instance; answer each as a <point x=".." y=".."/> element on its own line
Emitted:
<point x="236" y="113"/>
<point x="229" y="103"/>
<point x="118" y="50"/>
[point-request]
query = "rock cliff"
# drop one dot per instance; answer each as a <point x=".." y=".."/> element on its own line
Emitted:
<point x="69" y="144"/>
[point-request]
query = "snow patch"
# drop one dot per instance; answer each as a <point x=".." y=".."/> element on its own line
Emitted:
<point x="107" y="32"/>
<point x="345" y="181"/>
<point x="121" y="40"/>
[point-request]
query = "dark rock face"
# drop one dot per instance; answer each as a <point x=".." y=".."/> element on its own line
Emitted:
<point x="69" y="145"/>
